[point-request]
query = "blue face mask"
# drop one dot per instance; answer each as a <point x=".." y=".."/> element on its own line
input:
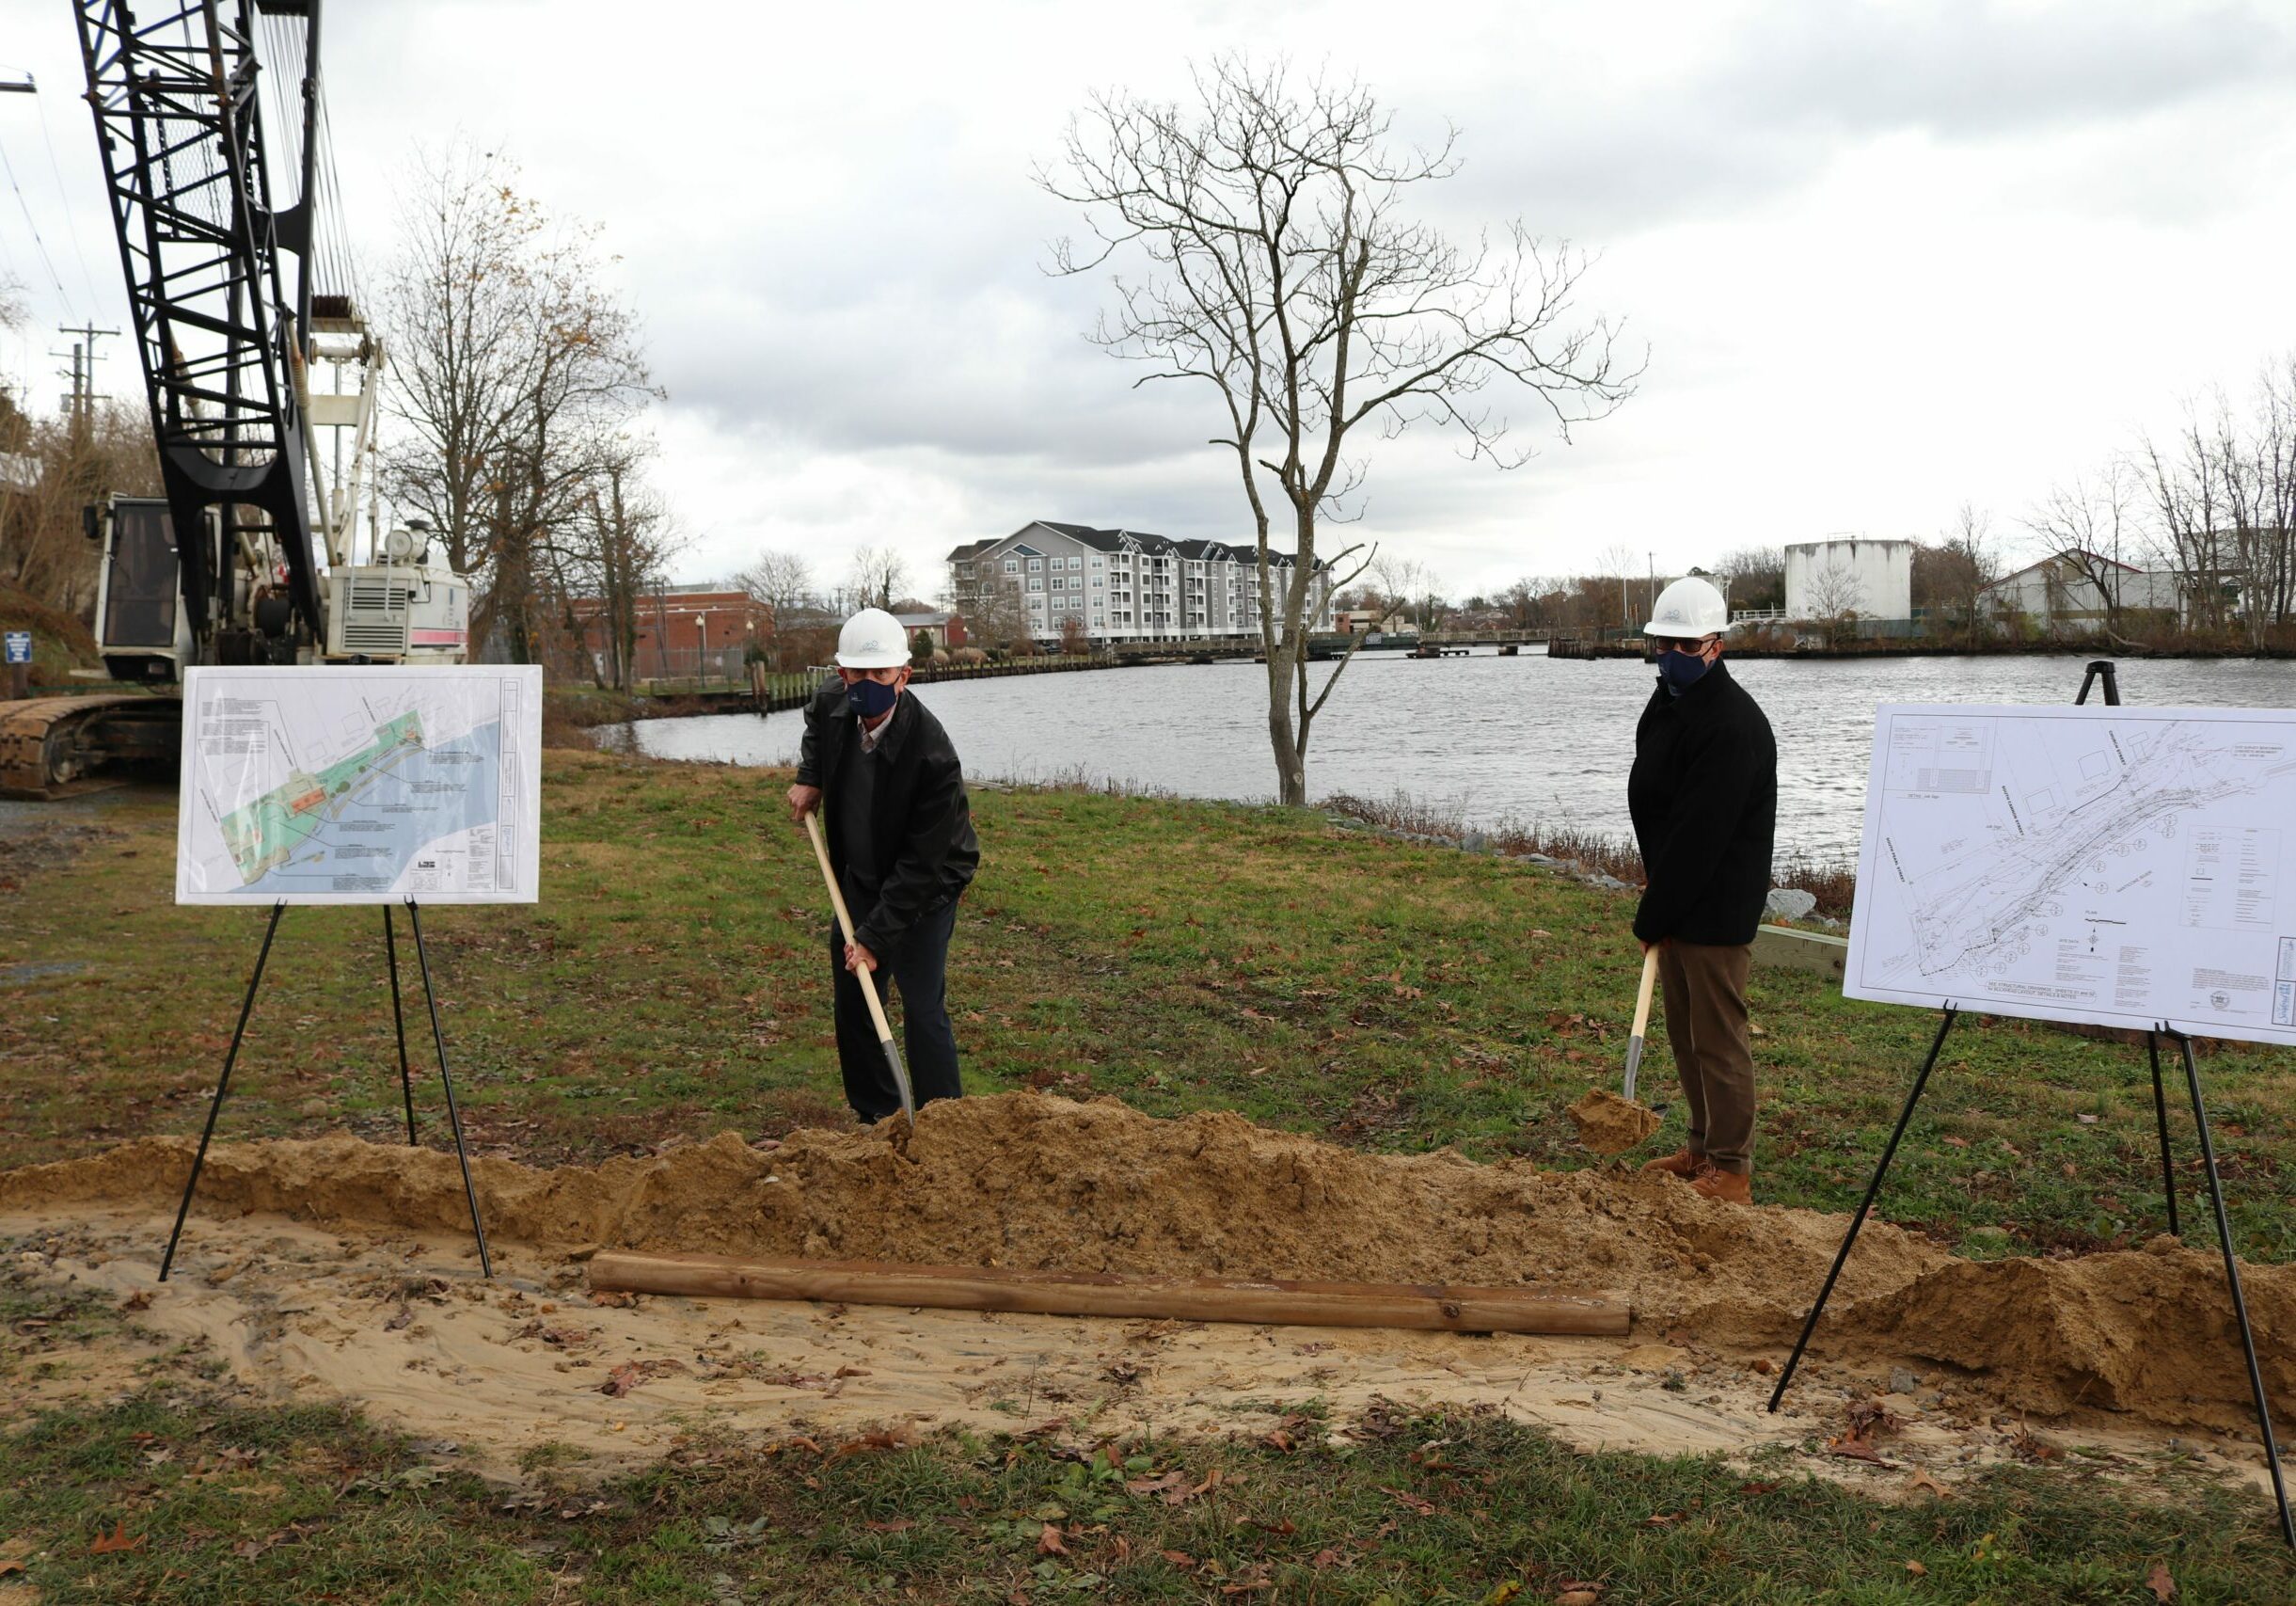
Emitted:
<point x="1680" y="670"/>
<point x="870" y="698"/>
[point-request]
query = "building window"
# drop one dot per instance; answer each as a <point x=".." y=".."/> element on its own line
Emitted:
<point x="1012" y="566"/>
<point x="1035" y="582"/>
<point x="1034" y="563"/>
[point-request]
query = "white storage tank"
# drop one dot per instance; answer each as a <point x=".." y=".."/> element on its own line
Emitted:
<point x="1846" y="575"/>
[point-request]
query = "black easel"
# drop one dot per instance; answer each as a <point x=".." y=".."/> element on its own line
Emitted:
<point x="406" y="1082"/>
<point x="2101" y="670"/>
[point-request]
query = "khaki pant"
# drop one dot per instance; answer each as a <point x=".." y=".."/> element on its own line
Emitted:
<point x="1704" y="988"/>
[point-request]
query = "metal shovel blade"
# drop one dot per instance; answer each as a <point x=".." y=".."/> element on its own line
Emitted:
<point x="1633" y="1065"/>
<point x="900" y="1077"/>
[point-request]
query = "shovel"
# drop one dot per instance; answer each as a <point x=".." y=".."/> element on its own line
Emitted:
<point x="1607" y="1123"/>
<point x="868" y="979"/>
<point x="1633" y="1042"/>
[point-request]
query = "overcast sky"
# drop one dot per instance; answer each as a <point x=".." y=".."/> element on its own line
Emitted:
<point x="1885" y="258"/>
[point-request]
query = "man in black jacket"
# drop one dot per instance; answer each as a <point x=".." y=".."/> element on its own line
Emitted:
<point x="883" y="772"/>
<point x="1703" y="794"/>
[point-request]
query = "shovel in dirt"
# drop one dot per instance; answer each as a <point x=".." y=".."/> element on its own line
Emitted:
<point x="1609" y="1122"/>
<point x="868" y="981"/>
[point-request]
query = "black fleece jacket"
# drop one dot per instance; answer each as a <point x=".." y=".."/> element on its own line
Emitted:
<point x="922" y="834"/>
<point x="1703" y="794"/>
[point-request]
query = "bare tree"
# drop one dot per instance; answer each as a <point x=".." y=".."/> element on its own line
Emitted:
<point x="1836" y="597"/>
<point x="612" y="555"/>
<point x="515" y="370"/>
<point x="2090" y="523"/>
<point x="1951" y="578"/>
<point x="60" y="465"/>
<point x="1000" y="615"/>
<point x="779" y="582"/>
<point x="1280" y="268"/>
<point x="1753" y="578"/>
<point x="2191" y="520"/>
<point x="877" y="572"/>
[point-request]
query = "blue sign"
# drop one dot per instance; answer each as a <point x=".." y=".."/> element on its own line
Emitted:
<point x="20" y="647"/>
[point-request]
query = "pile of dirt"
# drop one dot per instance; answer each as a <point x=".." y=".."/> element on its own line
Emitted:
<point x="1029" y="1181"/>
<point x="1609" y="1124"/>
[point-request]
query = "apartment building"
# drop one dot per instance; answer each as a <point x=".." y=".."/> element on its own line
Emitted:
<point x="1116" y="585"/>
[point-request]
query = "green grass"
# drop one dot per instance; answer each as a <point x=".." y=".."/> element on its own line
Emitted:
<point x="1183" y="956"/>
<point x="1179" y="955"/>
<point x="199" y="1499"/>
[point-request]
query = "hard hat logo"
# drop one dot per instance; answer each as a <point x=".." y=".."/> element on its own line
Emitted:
<point x="872" y="639"/>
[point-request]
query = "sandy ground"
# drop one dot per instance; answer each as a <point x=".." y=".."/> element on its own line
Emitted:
<point x="396" y="1319"/>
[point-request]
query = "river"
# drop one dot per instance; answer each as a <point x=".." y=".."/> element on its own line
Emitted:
<point x="1526" y="739"/>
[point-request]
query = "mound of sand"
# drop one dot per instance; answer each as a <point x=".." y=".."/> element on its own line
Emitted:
<point x="1028" y="1181"/>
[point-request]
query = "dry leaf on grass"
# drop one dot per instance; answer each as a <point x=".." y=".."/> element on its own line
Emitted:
<point x="2162" y="1586"/>
<point x="1050" y="1543"/>
<point x="121" y="1539"/>
<point x="1917" y="1569"/>
<point x="1923" y="1481"/>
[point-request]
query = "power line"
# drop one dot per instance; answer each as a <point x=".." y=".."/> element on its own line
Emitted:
<point x="25" y="207"/>
<point x="63" y="198"/>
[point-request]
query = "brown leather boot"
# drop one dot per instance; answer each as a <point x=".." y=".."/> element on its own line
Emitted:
<point x="1682" y="1163"/>
<point x="1736" y="1187"/>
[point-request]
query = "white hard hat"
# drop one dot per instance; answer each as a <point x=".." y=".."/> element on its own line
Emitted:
<point x="872" y="639"/>
<point x="1689" y="608"/>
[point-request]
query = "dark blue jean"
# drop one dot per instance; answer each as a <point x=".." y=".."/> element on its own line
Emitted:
<point x="918" y="969"/>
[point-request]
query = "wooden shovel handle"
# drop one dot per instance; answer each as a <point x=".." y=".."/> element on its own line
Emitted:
<point x="845" y="923"/>
<point x="1650" y="979"/>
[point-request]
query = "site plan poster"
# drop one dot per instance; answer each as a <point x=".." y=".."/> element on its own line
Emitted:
<point x="358" y="785"/>
<point x="2115" y="866"/>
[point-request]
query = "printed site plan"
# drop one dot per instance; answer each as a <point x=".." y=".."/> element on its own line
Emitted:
<point x="360" y="784"/>
<point x="2115" y="866"/>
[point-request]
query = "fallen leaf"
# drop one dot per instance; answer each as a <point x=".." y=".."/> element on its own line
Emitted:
<point x="1278" y="1439"/>
<point x="1770" y="1488"/>
<point x="1503" y="1593"/>
<point x="1578" y="1597"/>
<point x="1424" y="1507"/>
<point x="1852" y="1447"/>
<point x="622" y="1378"/>
<point x="1179" y="1559"/>
<point x="119" y="1539"/>
<point x="1050" y="1543"/>
<point x="139" y="1300"/>
<point x="9" y="1566"/>
<point x="1662" y="1519"/>
<point x="1325" y="1558"/>
<point x="2162" y="1586"/>
<point x="400" y="1318"/>
<point x="1212" y="1481"/>
<point x="1923" y="1481"/>
<point x="898" y="1525"/>
<point x="1917" y="1569"/>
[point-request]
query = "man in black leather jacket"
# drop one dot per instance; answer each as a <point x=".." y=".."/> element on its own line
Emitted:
<point x="891" y="796"/>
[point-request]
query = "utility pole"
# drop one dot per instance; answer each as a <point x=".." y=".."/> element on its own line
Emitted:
<point x="82" y="371"/>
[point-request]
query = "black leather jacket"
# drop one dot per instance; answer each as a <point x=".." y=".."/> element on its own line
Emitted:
<point x="923" y="822"/>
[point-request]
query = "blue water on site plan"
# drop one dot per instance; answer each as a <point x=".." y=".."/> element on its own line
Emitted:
<point x="374" y="831"/>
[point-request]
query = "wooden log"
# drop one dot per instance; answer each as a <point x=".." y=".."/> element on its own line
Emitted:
<point x="1103" y="1294"/>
